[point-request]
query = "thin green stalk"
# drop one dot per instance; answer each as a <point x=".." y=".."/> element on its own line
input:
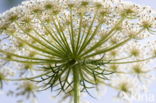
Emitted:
<point x="29" y="78"/>
<point x="104" y="38"/>
<point x="28" y="62"/>
<point x="72" y="32"/>
<point x="26" y="57"/>
<point x="34" y="38"/>
<point x="63" y="34"/>
<point x="109" y="49"/>
<point x="54" y="48"/>
<point x="135" y="61"/>
<point x="79" y="33"/>
<point x="58" y="41"/>
<point x="37" y="48"/>
<point x="76" y="85"/>
<point x="113" y="47"/>
<point x="87" y="35"/>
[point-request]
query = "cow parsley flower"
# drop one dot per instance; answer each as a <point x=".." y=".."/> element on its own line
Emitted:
<point x="73" y="46"/>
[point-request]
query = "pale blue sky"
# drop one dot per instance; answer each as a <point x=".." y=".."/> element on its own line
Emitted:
<point x="45" y="97"/>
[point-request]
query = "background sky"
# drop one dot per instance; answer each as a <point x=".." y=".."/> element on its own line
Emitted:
<point x="107" y="94"/>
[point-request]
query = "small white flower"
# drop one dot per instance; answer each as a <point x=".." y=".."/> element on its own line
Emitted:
<point x="147" y="21"/>
<point x="126" y="86"/>
<point x="128" y="9"/>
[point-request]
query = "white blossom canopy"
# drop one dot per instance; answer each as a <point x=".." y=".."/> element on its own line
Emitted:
<point x="106" y="42"/>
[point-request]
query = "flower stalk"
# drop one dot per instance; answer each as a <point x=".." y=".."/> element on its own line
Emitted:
<point x="76" y="76"/>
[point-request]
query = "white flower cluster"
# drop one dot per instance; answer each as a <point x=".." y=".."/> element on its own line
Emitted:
<point x="50" y="32"/>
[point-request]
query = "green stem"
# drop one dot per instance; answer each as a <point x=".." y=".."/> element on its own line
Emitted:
<point x="76" y="85"/>
<point x="29" y="78"/>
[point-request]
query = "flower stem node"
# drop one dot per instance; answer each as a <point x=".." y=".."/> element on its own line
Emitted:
<point x="84" y="3"/>
<point x="2" y="78"/>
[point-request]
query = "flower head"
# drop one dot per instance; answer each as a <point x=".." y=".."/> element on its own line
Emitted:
<point x="72" y="45"/>
<point x="27" y="88"/>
